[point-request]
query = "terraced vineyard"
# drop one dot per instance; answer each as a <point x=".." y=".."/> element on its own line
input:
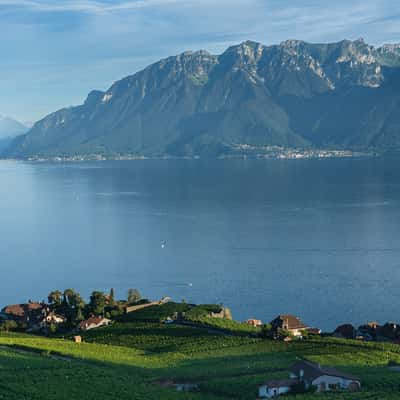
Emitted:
<point x="129" y="359"/>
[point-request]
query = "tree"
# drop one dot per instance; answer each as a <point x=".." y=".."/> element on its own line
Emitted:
<point x="111" y="297"/>
<point x="68" y="297"/>
<point x="53" y="328"/>
<point x="133" y="296"/>
<point x="267" y="332"/>
<point x="281" y="334"/>
<point x="8" y="325"/>
<point x="79" y="314"/>
<point x="72" y="305"/>
<point x="97" y="302"/>
<point x="78" y="302"/>
<point x="55" y="298"/>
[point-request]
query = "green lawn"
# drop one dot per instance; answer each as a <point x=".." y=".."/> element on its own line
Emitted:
<point x="126" y="361"/>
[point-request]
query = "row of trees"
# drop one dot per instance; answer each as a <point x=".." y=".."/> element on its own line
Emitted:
<point x="72" y="305"/>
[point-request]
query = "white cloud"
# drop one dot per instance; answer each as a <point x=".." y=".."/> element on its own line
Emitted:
<point x="88" y="6"/>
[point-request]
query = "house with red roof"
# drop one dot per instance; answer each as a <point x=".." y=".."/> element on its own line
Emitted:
<point x="289" y="323"/>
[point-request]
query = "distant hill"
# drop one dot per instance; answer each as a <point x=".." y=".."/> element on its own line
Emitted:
<point x="343" y="95"/>
<point x="9" y="129"/>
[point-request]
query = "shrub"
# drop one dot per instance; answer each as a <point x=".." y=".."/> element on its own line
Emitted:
<point x="9" y="325"/>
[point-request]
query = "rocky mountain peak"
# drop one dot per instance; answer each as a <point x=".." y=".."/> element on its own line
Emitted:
<point x="357" y="51"/>
<point x="247" y="52"/>
<point x="292" y="46"/>
<point x="391" y="47"/>
<point x="291" y="94"/>
<point x="94" y="97"/>
<point x="389" y="54"/>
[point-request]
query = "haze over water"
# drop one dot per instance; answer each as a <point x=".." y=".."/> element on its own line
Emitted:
<point x="317" y="238"/>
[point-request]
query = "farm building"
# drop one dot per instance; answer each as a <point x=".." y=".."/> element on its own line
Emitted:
<point x="323" y="378"/>
<point x="310" y="374"/>
<point x="254" y="322"/>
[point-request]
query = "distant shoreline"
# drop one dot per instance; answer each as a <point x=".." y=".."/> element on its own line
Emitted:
<point x="273" y="154"/>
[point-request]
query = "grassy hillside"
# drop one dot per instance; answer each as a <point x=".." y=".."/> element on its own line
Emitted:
<point x="128" y="359"/>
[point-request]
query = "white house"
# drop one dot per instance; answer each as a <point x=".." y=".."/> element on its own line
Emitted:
<point x="94" y="322"/>
<point x="53" y="318"/>
<point x="323" y="378"/>
<point x="311" y="374"/>
<point x="270" y="389"/>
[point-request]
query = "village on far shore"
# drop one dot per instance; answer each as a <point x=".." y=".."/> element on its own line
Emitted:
<point x="65" y="314"/>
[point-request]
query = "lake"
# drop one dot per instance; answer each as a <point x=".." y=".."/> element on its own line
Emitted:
<point x="317" y="238"/>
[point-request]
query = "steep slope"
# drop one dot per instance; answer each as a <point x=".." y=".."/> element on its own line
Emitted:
<point x="296" y="94"/>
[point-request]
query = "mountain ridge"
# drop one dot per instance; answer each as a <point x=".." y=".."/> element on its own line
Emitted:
<point x="9" y="129"/>
<point x="292" y="95"/>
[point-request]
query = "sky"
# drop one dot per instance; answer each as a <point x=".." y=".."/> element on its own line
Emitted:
<point x="56" y="51"/>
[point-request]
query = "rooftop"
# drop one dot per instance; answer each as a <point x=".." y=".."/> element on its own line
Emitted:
<point x="20" y="310"/>
<point x="314" y="370"/>
<point x="290" y="321"/>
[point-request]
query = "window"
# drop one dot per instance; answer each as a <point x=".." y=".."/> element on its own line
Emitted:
<point x="333" y="386"/>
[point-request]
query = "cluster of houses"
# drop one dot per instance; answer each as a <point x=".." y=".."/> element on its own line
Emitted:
<point x="288" y="323"/>
<point x="33" y="316"/>
<point x="372" y="331"/>
<point x="38" y="317"/>
<point x="310" y="375"/>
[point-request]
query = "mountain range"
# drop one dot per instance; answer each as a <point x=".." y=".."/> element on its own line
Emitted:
<point x="9" y="129"/>
<point x="343" y="95"/>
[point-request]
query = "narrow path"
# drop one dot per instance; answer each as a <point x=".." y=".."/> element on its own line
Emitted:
<point x="36" y="352"/>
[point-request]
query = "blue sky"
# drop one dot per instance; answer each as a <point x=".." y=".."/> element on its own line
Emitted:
<point x="55" y="51"/>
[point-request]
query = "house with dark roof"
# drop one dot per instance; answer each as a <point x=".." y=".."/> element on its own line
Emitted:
<point x="289" y="323"/>
<point x="323" y="378"/>
<point x="27" y="313"/>
<point x="309" y="375"/>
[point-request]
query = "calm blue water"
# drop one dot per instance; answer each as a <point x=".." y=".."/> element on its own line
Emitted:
<point x="318" y="238"/>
